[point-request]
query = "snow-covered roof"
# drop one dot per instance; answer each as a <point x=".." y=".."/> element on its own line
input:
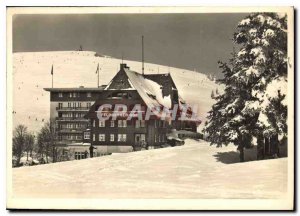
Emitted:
<point x="149" y="90"/>
<point x="75" y="89"/>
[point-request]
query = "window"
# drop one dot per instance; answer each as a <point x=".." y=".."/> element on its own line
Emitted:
<point x="69" y="105"/>
<point x="102" y="137"/>
<point x="163" y="138"/>
<point x="122" y="137"/>
<point x="155" y="138"/>
<point x="101" y="123"/>
<point x="60" y="94"/>
<point x="112" y="123"/>
<point x="119" y="123"/>
<point x="74" y="94"/>
<point x="86" y="135"/>
<point x="112" y="137"/>
<point x="70" y="95"/>
<point x="159" y="138"/>
<point x="60" y="105"/>
<point x="88" y="105"/>
<point x="122" y="123"/>
<point x="80" y="155"/>
<point x="143" y="137"/>
<point x="94" y="123"/>
<point x="155" y="123"/>
<point x="137" y="124"/>
<point x="94" y="137"/>
<point x="119" y="95"/>
<point x="89" y="94"/>
<point x="140" y="123"/>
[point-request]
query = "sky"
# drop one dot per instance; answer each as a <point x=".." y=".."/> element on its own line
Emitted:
<point x="190" y="41"/>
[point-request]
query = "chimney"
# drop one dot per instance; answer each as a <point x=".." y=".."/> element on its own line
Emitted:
<point x="123" y="66"/>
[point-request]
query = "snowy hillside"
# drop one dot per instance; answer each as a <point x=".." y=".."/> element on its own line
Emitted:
<point x="195" y="170"/>
<point x="31" y="73"/>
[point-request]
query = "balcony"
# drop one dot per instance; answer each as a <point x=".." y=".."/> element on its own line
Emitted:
<point x="71" y="119"/>
<point x="73" y="109"/>
<point x="67" y="141"/>
<point x="71" y="130"/>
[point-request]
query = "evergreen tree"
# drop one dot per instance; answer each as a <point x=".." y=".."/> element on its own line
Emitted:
<point x="253" y="103"/>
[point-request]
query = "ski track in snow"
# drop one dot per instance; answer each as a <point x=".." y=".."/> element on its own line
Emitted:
<point x="189" y="171"/>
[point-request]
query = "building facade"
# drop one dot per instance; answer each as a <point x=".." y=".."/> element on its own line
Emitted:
<point x="68" y="106"/>
<point x="85" y="129"/>
<point x="114" y="130"/>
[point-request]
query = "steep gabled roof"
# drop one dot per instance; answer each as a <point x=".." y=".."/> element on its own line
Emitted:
<point x="161" y="79"/>
<point x="150" y="87"/>
<point x="150" y="90"/>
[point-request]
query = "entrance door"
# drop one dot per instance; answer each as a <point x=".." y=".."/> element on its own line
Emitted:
<point x="139" y="139"/>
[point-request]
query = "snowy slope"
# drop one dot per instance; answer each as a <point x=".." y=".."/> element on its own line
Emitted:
<point x="31" y="73"/>
<point x="195" y="170"/>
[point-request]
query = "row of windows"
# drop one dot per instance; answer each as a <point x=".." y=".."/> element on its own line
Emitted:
<point x="119" y="95"/>
<point x="69" y="137"/>
<point x="74" y="105"/>
<point x="122" y="137"/>
<point x="80" y="155"/>
<point x="71" y="115"/>
<point x="102" y="137"/>
<point x="159" y="124"/>
<point x="159" y="138"/>
<point x="121" y="123"/>
<point x="72" y="126"/>
<point x="74" y="94"/>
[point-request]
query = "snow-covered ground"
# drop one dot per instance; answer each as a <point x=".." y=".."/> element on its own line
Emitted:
<point x="31" y="73"/>
<point x="195" y="170"/>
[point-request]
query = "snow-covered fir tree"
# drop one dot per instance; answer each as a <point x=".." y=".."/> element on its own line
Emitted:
<point x="254" y="102"/>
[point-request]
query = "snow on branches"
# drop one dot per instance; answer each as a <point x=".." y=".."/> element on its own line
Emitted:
<point x="254" y="101"/>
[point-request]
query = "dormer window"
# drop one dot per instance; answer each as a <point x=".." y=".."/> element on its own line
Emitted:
<point x="89" y="94"/>
<point x="119" y="95"/>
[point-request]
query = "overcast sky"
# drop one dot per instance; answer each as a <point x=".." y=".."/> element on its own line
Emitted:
<point x="191" y="41"/>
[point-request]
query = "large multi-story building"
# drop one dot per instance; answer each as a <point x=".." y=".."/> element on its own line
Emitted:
<point x="118" y="133"/>
<point x="68" y="106"/>
<point x="81" y="133"/>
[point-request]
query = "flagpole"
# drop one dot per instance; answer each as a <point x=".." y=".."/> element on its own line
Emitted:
<point x="97" y="72"/>
<point x="98" y="79"/>
<point x="52" y="75"/>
